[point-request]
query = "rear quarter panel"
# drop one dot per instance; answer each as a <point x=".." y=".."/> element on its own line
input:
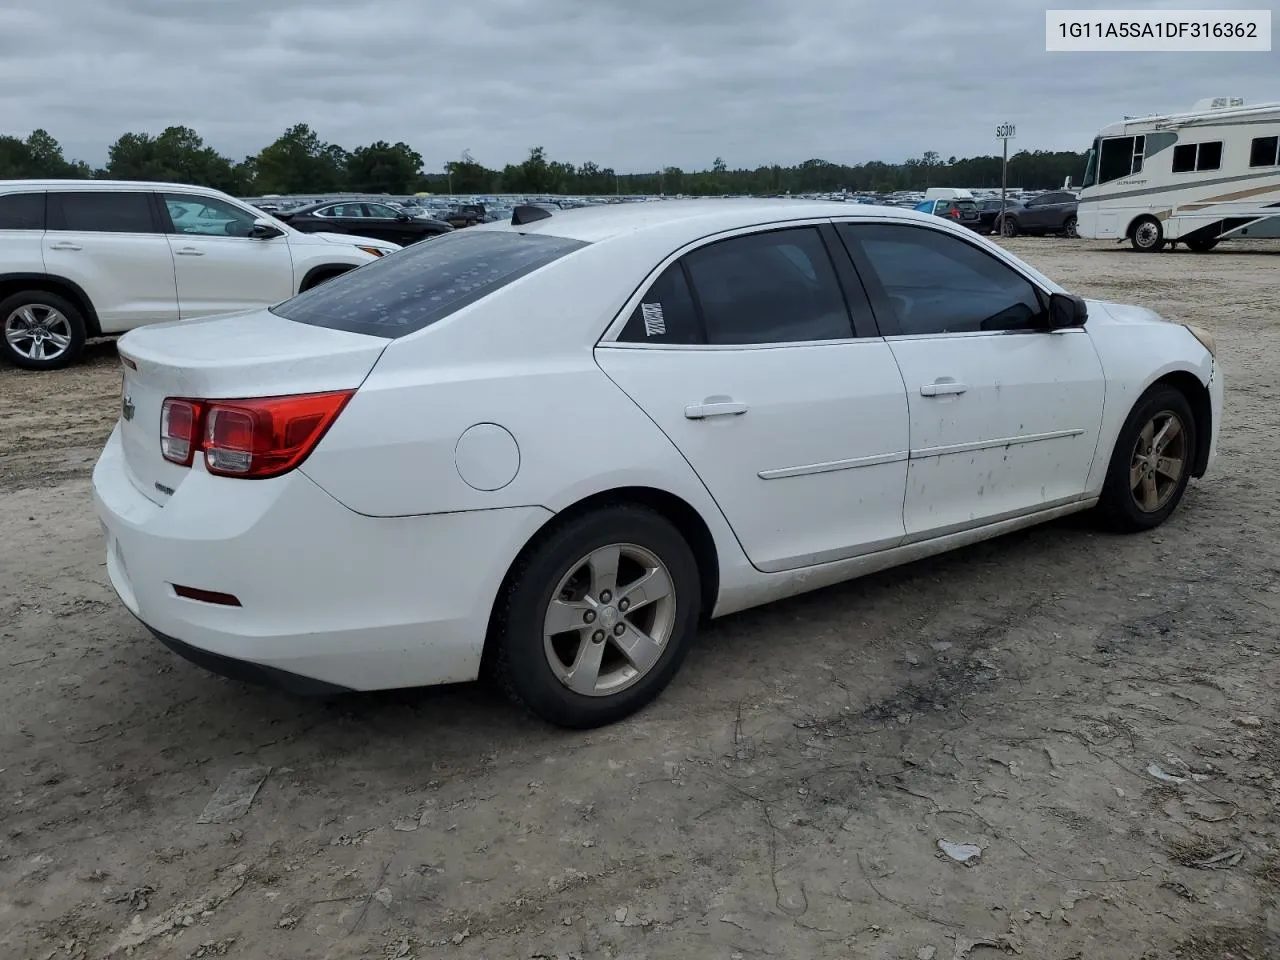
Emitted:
<point x="523" y="359"/>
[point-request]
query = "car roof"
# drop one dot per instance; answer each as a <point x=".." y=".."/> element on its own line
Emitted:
<point x="9" y="185"/>
<point x="696" y="218"/>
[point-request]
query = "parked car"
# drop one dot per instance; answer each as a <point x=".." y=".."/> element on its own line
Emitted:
<point x="1053" y="212"/>
<point x="366" y="218"/>
<point x="394" y="498"/>
<point x="92" y="258"/>
<point x="963" y="212"/>
<point x="989" y="212"/>
<point x="466" y="215"/>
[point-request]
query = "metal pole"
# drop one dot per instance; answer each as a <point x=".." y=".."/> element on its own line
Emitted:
<point x="1004" y="178"/>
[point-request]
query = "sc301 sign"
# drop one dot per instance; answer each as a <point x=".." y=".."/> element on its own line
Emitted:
<point x="1006" y="131"/>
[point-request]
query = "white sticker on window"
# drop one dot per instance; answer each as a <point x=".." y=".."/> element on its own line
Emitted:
<point x="655" y="325"/>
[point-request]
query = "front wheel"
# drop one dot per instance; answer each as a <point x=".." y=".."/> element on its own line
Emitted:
<point x="1147" y="235"/>
<point x="597" y="618"/>
<point x="1008" y="227"/>
<point x="1151" y="463"/>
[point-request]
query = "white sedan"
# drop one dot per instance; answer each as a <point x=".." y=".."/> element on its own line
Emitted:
<point x="547" y="448"/>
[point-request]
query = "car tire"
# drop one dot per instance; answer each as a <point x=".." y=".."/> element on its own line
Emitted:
<point x="1146" y="235"/>
<point x="1138" y="493"/>
<point x="1070" y="227"/>
<point x="57" y="330"/>
<point x="565" y="579"/>
<point x="1008" y="227"/>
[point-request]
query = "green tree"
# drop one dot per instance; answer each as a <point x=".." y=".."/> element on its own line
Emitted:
<point x="178" y="155"/>
<point x="300" y="162"/>
<point x="383" y="168"/>
<point x="39" y="156"/>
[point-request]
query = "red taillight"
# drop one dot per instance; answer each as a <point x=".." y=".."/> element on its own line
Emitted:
<point x="251" y="438"/>
<point x="179" y="430"/>
<point x="954" y="212"/>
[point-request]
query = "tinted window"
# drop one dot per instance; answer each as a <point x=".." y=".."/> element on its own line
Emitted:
<point x="776" y="287"/>
<point x="936" y="283"/>
<point x="1210" y="156"/>
<point x="1117" y="159"/>
<point x="207" y="216"/>
<point x="413" y="288"/>
<point x="22" y="211"/>
<point x="1197" y="156"/>
<point x="666" y="314"/>
<point x="101" y="212"/>
<point x="1184" y="158"/>
<point x="1265" y="152"/>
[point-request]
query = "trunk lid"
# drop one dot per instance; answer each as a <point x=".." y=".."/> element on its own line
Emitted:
<point x="253" y="354"/>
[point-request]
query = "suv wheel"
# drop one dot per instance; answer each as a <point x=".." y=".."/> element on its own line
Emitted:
<point x="42" y="331"/>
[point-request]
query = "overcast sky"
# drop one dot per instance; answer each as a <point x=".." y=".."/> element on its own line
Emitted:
<point x="632" y="84"/>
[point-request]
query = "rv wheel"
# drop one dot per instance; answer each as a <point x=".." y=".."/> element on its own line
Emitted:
<point x="1147" y="235"/>
<point x="1202" y="246"/>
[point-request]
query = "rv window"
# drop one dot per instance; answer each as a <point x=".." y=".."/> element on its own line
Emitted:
<point x="1091" y="166"/>
<point x="1265" y="152"/>
<point x="1117" y="159"/>
<point x="1210" y="156"/>
<point x="1184" y="158"/>
<point x="1189" y="157"/>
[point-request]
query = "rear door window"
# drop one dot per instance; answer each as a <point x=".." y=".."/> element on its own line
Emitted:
<point x="774" y="287"/>
<point x="422" y="284"/>
<point x="22" y="211"/>
<point x="102" y="211"/>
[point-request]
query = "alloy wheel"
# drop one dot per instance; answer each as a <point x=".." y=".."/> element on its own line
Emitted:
<point x="1158" y="462"/>
<point x="609" y="620"/>
<point x="37" y="331"/>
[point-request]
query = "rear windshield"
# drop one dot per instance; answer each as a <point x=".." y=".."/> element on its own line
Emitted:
<point x="415" y="287"/>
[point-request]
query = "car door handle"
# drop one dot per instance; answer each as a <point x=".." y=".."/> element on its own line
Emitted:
<point x="943" y="388"/>
<point x="189" y="252"/>
<point x="64" y="245"/>
<point x="714" y="408"/>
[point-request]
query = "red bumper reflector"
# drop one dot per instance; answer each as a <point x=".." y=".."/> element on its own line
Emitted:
<point x="206" y="596"/>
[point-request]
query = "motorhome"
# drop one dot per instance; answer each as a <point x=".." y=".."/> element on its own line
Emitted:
<point x="1194" y="178"/>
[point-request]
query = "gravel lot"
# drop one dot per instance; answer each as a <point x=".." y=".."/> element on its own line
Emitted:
<point x="784" y="798"/>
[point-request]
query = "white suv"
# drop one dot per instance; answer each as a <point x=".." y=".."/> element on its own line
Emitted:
<point x="92" y="258"/>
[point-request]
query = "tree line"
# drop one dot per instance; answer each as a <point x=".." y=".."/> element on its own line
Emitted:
<point x="300" y="162"/>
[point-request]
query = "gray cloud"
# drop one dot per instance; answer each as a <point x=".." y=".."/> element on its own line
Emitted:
<point x="633" y="84"/>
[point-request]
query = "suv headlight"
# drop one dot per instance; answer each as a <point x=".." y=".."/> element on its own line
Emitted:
<point x="1205" y="338"/>
<point x="373" y="251"/>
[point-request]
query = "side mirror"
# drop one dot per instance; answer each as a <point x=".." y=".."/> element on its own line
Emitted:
<point x="264" y="229"/>
<point x="1067" y="312"/>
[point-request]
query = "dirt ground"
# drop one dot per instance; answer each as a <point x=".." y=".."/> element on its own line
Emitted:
<point x="1099" y="714"/>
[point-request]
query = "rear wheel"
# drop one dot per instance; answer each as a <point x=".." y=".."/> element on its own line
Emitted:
<point x="1147" y="236"/>
<point x="1151" y="464"/>
<point x="42" y="331"/>
<point x="597" y="618"/>
<point x="1069" y="227"/>
<point x="1201" y="245"/>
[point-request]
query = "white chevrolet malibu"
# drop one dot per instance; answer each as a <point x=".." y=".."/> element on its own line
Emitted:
<point x="545" y="449"/>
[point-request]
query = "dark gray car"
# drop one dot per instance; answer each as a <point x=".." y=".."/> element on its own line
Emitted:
<point x="1053" y="212"/>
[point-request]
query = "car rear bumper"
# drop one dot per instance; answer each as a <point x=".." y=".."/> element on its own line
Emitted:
<point x="329" y="599"/>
